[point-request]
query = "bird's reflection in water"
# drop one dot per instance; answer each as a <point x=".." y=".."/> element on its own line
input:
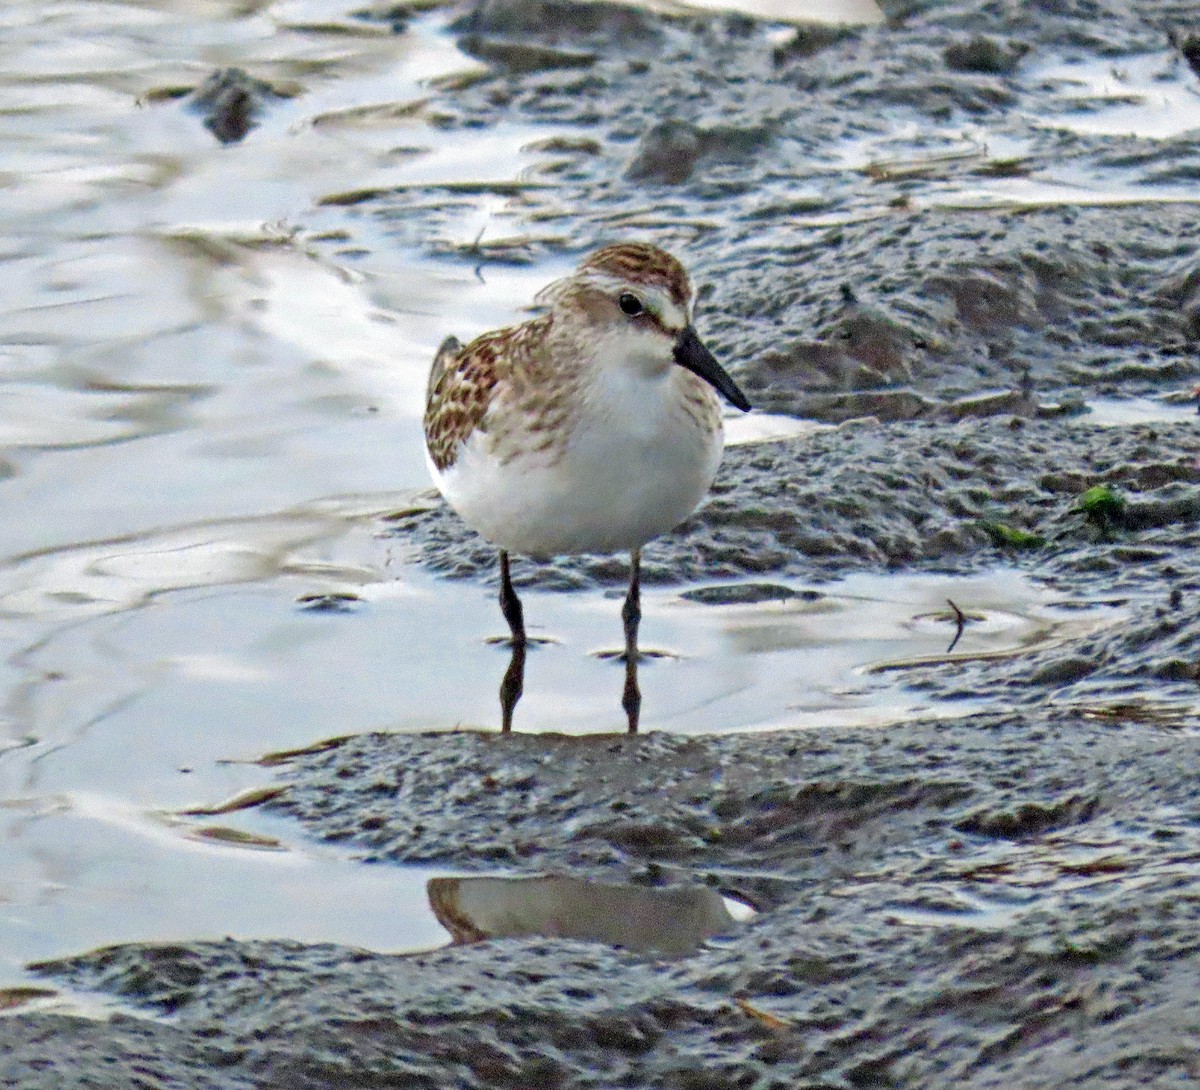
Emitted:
<point x="512" y="685"/>
<point x="666" y="922"/>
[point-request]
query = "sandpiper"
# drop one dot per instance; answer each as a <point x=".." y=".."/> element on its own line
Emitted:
<point x="589" y="429"/>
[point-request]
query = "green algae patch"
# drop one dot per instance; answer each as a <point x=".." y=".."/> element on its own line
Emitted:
<point x="1103" y="506"/>
<point x="1011" y="537"/>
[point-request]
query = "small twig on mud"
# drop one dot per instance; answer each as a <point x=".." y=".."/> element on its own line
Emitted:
<point x="765" y="1017"/>
<point x="961" y="620"/>
<point x="475" y="250"/>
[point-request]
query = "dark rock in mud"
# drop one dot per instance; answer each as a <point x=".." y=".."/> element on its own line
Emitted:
<point x="744" y="594"/>
<point x="983" y="54"/>
<point x="518" y="57"/>
<point x="556" y="20"/>
<point x="667" y="154"/>
<point x="944" y="905"/>
<point x="1190" y="48"/>
<point x="869" y="495"/>
<point x="671" y="151"/>
<point x="231" y="101"/>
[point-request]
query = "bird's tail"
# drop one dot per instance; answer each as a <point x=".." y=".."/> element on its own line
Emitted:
<point x="447" y="353"/>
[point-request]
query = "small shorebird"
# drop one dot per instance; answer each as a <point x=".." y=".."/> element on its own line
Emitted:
<point x="589" y="429"/>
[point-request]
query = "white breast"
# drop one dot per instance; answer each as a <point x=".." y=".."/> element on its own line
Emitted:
<point x="636" y="465"/>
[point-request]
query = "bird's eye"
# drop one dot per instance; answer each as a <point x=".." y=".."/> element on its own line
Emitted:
<point x="630" y="304"/>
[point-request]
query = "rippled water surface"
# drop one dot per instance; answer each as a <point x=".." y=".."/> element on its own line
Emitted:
<point x="203" y="416"/>
<point x="187" y="397"/>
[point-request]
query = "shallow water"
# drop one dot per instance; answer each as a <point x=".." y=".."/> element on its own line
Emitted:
<point x="1139" y="410"/>
<point x="988" y="164"/>
<point x="192" y="685"/>
<point x="786" y="11"/>
<point x="174" y="356"/>
<point x="209" y="394"/>
<point x="1153" y="95"/>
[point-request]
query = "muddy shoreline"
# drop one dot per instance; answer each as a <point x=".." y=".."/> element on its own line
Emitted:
<point x="1003" y="899"/>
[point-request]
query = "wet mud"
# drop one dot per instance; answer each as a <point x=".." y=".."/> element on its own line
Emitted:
<point x="876" y="495"/>
<point x="937" y="236"/>
<point x="1005" y="900"/>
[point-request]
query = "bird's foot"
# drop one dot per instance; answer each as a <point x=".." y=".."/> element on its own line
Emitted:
<point x="645" y="654"/>
<point x="508" y="641"/>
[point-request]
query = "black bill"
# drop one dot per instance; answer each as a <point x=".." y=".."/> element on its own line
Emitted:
<point x="691" y="353"/>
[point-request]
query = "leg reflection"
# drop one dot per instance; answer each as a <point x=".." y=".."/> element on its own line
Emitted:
<point x="631" y="614"/>
<point x="513" y="683"/>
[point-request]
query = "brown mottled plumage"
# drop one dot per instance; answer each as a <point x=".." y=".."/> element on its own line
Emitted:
<point x="529" y="366"/>
<point x="636" y="260"/>
<point x="509" y="385"/>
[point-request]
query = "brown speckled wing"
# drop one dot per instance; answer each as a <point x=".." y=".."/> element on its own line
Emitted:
<point x="512" y="368"/>
<point x="460" y="389"/>
<point x="447" y="355"/>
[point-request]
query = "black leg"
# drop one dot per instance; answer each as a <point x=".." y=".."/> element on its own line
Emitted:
<point x="513" y="683"/>
<point x="631" y="614"/>
<point x="510" y="604"/>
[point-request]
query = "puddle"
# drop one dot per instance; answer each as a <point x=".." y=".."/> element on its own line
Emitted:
<point x="822" y="659"/>
<point x="783" y="11"/>
<point x="1140" y="410"/>
<point x="664" y="922"/>
<point x="763" y="427"/>
<point x="1153" y="96"/>
<point x="84" y="870"/>
<point x="213" y="659"/>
